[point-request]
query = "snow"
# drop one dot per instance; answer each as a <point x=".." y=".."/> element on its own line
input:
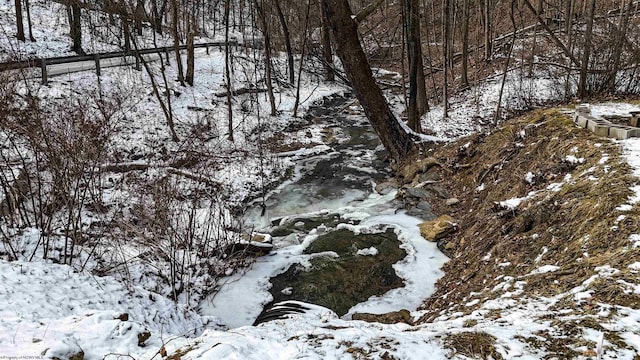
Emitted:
<point x="56" y="311"/>
<point x="372" y="251"/>
<point x="545" y="269"/>
<point x="44" y="306"/>
<point x="529" y="177"/>
<point x="573" y="160"/>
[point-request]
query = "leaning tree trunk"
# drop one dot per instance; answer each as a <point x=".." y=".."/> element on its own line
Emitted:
<point x="345" y="33"/>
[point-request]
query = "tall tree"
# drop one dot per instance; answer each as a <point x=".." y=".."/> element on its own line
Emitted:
<point x="76" y="28"/>
<point x="345" y="34"/>
<point x="446" y="28"/>
<point x="465" y="43"/>
<point x="19" y="24"/>
<point x="488" y="29"/>
<point x="287" y="41"/>
<point x="417" y="90"/>
<point x="176" y="40"/>
<point x="227" y="67"/>
<point x="27" y="6"/>
<point x="327" y="54"/>
<point x="267" y="55"/>
<point x="586" y="54"/>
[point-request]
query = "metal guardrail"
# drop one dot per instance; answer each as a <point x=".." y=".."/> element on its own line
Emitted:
<point x="38" y="62"/>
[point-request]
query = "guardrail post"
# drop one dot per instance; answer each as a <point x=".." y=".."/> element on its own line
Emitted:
<point x="43" y="67"/>
<point x="96" y="58"/>
<point x="207" y="47"/>
<point x="166" y="53"/>
<point x="137" y="55"/>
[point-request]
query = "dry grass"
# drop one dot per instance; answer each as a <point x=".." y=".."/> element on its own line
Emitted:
<point x="577" y="226"/>
<point x="476" y="345"/>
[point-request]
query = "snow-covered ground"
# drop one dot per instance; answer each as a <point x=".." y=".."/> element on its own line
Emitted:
<point x="54" y="310"/>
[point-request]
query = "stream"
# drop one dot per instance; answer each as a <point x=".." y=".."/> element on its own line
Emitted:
<point x="337" y="242"/>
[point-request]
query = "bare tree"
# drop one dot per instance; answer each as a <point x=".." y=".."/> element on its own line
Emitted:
<point x="446" y="28"/>
<point x="75" y="22"/>
<point x="586" y="54"/>
<point x="287" y="41"/>
<point x="227" y="68"/>
<point x="19" y="24"/>
<point x="27" y="6"/>
<point x="262" y="17"/>
<point x="465" y="43"/>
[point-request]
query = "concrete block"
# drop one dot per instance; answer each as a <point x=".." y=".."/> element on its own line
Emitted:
<point x="621" y="132"/>
<point x="635" y="119"/>
<point x="581" y="121"/>
<point x="598" y="126"/>
<point x="583" y="109"/>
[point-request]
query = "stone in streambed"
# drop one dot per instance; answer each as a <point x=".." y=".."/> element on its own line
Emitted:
<point x="395" y="317"/>
<point x="437" y="229"/>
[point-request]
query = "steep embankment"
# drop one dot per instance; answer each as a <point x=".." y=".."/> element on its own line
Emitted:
<point x="543" y="223"/>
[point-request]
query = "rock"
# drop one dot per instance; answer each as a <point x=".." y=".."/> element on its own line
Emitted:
<point x="449" y="246"/>
<point x="409" y="171"/>
<point x="385" y="187"/>
<point x="402" y="316"/>
<point x="412" y="192"/>
<point x="438" y="190"/>
<point x="143" y="337"/>
<point x="431" y="175"/>
<point x="251" y="248"/>
<point x="257" y="237"/>
<point x="452" y="201"/>
<point x="123" y="317"/>
<point x="438" y="228"/>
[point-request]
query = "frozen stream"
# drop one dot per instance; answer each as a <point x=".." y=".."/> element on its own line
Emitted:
<point x="330" y="196"/>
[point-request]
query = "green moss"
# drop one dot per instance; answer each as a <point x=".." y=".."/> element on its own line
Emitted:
<point x="340" y="283"/>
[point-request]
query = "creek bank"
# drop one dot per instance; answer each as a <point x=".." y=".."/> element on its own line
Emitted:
<point x="540" y="200"/>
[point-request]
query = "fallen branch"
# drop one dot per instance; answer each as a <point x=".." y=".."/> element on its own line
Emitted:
<point x="241" y="91"/>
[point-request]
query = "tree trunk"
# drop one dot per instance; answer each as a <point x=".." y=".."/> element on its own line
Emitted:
<point x="28" y="8"/>
<point x="445" y="59"/>
<point x="412" y="111"/>
<point x="267" y="57"/>
<point x="619" y="42"/>
<point x="287" y="41"/>
<point x="227" y="67"/>
<point x="326" y="49"/>
<point x="19" y="25"/>
<point x="422" y="104"/>
<point x="465" y="44"/>
<point x="76" y="29"/>
<point x="498" y="114"/>
<point x="176" y="40"/>
<point x="345" y="34"/>
<point x="488" y="36"/>
<point x="412" y="11"/>
<point x="190" y="57"/>
<point x="586" y="55"/>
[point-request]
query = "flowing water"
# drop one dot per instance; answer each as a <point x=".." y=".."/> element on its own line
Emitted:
<point x="337" y="243"/>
